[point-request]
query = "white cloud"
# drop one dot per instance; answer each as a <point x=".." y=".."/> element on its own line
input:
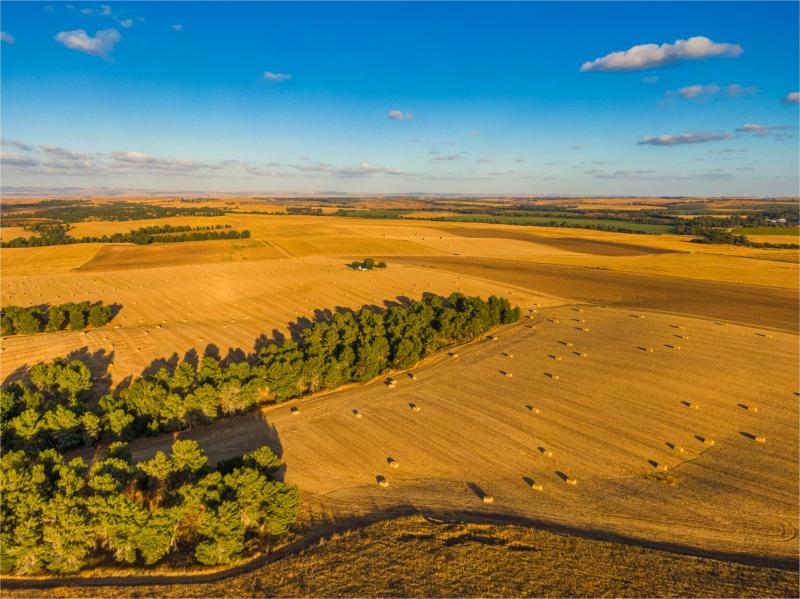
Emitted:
<point x="178" y="27"/>
<point x="792" y="98"/>
<point x="649" y="56"/>
<point x="126" y="23"/>
<point x="683" y="138"/>
<point x="399" y="115"/>
<point x="87" y="11"/>
<point x="473" y="133"/>
<point x="270" y="76"/>
<point x="650" y="79"/>
<point x="105" y="10"/>
<point x="446" y="157"/>
<point x="15" y="143"/>
<point x="693" y="91"/>
<point x="101" y="44"/>
<point x="7" y="37"/>
<point x="484" y="161"/>
<point x="576" y="147"/>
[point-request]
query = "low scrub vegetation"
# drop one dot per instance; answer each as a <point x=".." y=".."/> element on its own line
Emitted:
<point x="17" y="320"/>
<point x="60" y="515"/>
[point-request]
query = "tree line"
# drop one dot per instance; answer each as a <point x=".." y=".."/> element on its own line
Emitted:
<point x="54" y="407"/>
<point x="57" y="234"/>
<point x="60" y="515"/>
<point x="19" y="320"/>
<point x="68" y="212"/>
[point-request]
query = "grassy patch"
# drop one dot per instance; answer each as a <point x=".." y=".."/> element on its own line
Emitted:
<point x="767" y="231"/>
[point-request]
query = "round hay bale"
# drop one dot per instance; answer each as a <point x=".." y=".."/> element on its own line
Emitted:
<point x="569" y="344"/>
<point x="495" y="337"/>
<point x="760" y="439"/>
<point x="535" y="410"/>
<point x="394" y="464"/>
<point x="453" y="355"/>
<point x="584" y="355"/>
<point x="295" y="410"/>
<point x="558" y="358"/>
<point x="488" y="499"/>
<point x="412" y="376"/>
<point x="571" y="481"/>
<point x="383" y="482"/>
<point x="415" y="409"/>
<point x="536" y="486"/>
<point x="509" y="375"/>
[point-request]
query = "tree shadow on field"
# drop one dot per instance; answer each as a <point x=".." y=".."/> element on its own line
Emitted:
<point x="169" y="364"/>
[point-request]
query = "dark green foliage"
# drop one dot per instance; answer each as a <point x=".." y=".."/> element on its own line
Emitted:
<point x="59" y="516"/>
<point x="56" y="234"/>
<point x="366" y="264"/>
<point x="51" y="412"/>
<point x="18" y="320"/>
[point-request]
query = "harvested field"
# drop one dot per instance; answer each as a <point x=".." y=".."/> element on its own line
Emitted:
<point x="417" y="557"/>
<point x="605" y="421"/>
<point x="750" y="304"/>
<point x="127" y="256"/>
<point x="571" y="244"/>
<point x="212" y="308"/>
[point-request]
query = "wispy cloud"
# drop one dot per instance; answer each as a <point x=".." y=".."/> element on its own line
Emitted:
<point x="484" y="161"/>
<point x="12" y="159"/>
<point x="701" y="92"/>
<point x="576" y="147"/>
<point x="399" y="115"/>
<point x="762" y="130"/>
<point x="446" y="157"/>
<point x="270" y="76"/>
<point x="792" y="98"/>
<point x="15" y="143"/>
<point x="683" y="138"/>
<point x="650" y="79"/>
<point x="7" y="37"/>
<point x="100" y="45"/>
<point x="649" y="56"/>
<point x="64" y="153"/>
<point x="177" y="27"/>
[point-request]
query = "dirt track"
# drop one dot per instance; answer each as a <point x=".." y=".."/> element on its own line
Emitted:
<point x="608" y="421"/>
<point x="749" y="304"/>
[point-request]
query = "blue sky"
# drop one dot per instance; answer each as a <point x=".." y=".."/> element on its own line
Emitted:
<point x="542" y="98"/>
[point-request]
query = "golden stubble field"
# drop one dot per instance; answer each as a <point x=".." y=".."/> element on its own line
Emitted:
<point x="664" y="444"/>
<point x="608" y="419"/>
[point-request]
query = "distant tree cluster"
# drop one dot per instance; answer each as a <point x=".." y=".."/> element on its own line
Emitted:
<point x="711" y="232"/>
<point x="366" y="264"/>
<point x="52" y="409"/>
<point x="304" y="211"/>
<point x="59" y="515"/>
<point x="56" y="234"/>
<point x="17" y="320"/>
<point x="67" y="212"/>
